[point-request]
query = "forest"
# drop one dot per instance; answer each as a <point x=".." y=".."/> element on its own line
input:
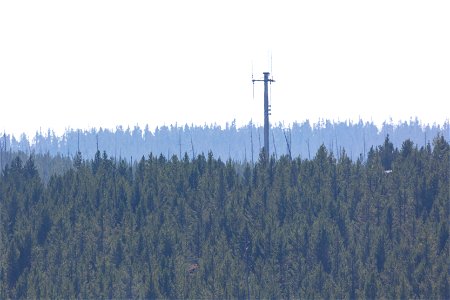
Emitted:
<point x="323" y="225"/>
<point x="229" y="142"/>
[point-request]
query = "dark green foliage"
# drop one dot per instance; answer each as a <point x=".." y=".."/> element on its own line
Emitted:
<point x="443" y="235"/>
<point x="370" y="288"/>
<point x="44" y="227"/>
<point x="387" y="154"/>
<point x="165" y="227"/>
<point x="380" y="255"/>
<point x="322" y="250"/>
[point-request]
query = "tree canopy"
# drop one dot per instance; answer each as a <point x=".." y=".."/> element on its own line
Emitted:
<point x="201" y="227"/>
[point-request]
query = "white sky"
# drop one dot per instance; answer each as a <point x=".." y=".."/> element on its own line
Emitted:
<point x="83" y="64"/>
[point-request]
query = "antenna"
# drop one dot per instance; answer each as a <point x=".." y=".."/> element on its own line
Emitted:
<point x="270" y="59"/>
<point x="253" y="83"/>
<point x="270" y="87"/>
<point x="267" y="110"/>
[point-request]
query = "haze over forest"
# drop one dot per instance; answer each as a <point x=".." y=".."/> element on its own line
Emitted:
<point x="227" y="142"/>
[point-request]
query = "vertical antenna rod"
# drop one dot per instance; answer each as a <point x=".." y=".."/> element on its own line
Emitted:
<point x="266" y="81"/>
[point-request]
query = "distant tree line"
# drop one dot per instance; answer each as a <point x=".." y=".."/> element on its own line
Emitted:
<point x="202" y="227"/>
<point x="239" y="144"/>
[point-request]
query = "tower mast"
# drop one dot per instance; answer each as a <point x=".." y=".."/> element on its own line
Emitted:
<point x="267" y="110"/>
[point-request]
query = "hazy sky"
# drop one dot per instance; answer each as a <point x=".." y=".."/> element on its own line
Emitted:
<point x="83" y="64"/>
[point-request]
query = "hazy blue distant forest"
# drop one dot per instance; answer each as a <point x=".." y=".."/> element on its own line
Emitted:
<point x="229" y="142"/>
<point x="338" y="210"/>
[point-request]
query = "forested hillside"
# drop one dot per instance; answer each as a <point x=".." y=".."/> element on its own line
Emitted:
<point x="203" y="227"/>
<point x="229" y="142"/>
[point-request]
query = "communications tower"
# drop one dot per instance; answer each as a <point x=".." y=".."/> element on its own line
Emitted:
<point x="267" y="109"/>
